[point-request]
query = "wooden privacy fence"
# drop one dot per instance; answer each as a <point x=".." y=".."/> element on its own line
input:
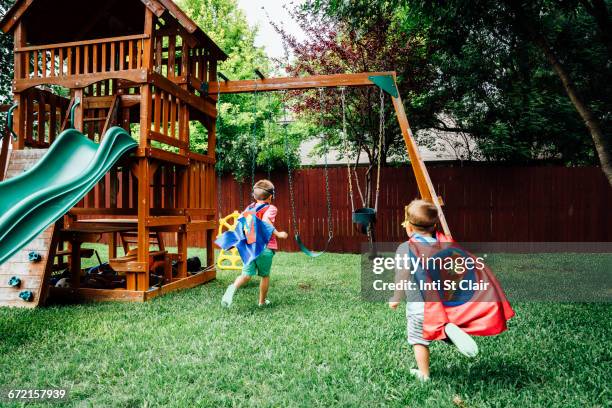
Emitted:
<point x="482" y="204"/>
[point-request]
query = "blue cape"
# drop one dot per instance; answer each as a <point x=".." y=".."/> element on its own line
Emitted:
<point x="247" y="225"/>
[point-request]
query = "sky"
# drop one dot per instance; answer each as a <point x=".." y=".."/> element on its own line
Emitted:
<point x="272" y="10"/>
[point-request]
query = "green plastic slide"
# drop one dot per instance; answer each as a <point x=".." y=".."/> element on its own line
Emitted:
<point x="32" y="201"/>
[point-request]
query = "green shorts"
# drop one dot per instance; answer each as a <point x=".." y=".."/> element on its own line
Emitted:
<point x="261" y="266"/>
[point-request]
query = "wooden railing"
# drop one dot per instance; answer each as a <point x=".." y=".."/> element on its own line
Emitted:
<point x="201" y="66"/>
<point x="45" y="113"/>
<point x="116" y="193"/>
<point x="177" y="61"/>
<point x="82" y="57"/>
<point x="169" y="125"/>
<point x="201" y="182"/>
<point x="170" y="49"/>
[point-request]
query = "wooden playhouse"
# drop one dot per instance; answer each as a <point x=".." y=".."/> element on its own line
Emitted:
<point x="139" y="64"/>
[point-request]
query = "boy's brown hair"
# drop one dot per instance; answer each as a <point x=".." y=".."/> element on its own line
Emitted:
<point x="422" y="215"/>
<point x="263" y="189"/>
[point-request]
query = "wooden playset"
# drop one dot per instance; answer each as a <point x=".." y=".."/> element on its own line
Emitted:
<point x="145" y="66"/>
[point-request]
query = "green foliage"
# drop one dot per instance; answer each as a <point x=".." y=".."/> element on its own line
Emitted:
<point x="242" y="115"/>
<point x="493" y="81"/>
<point x="337" y="46"/>
<point x="6" y="58"/>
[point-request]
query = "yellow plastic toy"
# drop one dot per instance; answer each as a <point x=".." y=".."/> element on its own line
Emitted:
<point x="229" y="260"/>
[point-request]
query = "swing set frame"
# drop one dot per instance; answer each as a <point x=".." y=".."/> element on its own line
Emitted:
<point x="387" y="81"/>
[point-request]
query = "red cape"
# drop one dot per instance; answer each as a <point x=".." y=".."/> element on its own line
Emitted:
<point x="485" y="314"/>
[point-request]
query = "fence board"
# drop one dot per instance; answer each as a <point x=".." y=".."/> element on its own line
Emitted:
<point x="482" y="203"/>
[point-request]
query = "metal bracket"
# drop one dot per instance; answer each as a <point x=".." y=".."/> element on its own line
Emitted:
<point x="9" y="121"/>
<point x="386" y="83"/>
<point x="204" y="88"/>
<point x="76" y="103"/>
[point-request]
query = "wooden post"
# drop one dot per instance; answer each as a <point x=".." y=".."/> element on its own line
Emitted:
<point x="79" y="123"/>
<point x="147" y="43"/>
<point x="426" y="187"/>
<point x="75" y="263"/>
<point x="144" y="175"/>
<point x="182" y="252"/>
<point x="210" y="234"/>
<point x="112" y="245"/>
<point x="183" y="190"/>
<point x="19" y="123"/>
<point x="20" y="40"/>
<point x="143" y="231"/>
<point x="143" y="171"/>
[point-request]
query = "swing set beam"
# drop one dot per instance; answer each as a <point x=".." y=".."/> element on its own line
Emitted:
<point x="295" y="83"/>
<point x="424" y="183"/>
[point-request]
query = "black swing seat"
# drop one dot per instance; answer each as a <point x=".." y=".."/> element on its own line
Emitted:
<point x="363" y="218"/>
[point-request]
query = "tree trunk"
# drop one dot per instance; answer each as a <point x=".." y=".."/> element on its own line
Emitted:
<point x="603" y="145"/>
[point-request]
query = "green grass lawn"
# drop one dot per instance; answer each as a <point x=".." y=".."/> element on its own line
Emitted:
<point x="318" y="345"/>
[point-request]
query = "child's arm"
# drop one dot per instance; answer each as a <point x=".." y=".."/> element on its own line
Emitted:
<point x="280" y="234"/>
<point x="270" y="217"/>
<point x="401" y="275"/>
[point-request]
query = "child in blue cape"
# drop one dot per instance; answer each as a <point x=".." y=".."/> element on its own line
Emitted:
<point x="262" y="208"/>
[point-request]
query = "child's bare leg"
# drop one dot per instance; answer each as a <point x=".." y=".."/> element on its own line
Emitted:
<point x="264" y="285"/>
<point x="228" y="297"/>
<point x="241" y="280"/>
<point x="421" y="354"/>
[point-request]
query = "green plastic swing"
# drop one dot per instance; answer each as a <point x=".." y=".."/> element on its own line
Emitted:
<point x="330" y="232"/>
<point x="307" y="251"/>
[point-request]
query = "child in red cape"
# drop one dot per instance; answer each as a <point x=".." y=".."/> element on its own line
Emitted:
<point x="434" y="313"/>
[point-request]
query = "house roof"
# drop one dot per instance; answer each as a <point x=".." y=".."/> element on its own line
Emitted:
<point x="103" y="17"/>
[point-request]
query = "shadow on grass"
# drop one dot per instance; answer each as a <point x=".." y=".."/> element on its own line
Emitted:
<point x="510" y="375"/>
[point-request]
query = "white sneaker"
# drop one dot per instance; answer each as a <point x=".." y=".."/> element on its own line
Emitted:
<point x="265" y="303"/>
<point x="463" y="341"/>
<point x="419" y="375"/>
<point x="228" y="297"/>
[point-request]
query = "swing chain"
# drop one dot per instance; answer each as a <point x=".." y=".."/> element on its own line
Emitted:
<point x="219" y="194"/>
<point x="267" y="132"/>
<point x="289" y="169"/>
<point x="381" y="137"/>
<point x="346" y="146"/>
<point x="330" y="227"/>
<point x="254" y="138"/>
<point x="217" y="125"/>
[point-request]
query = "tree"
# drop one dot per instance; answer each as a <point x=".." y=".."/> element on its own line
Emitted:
<point x="247" y="122"/>
<point x="333" y="47"/>
<point x="6" y="58"/>
<point x="524" y="78"/>
<point x="529" y="19"/>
